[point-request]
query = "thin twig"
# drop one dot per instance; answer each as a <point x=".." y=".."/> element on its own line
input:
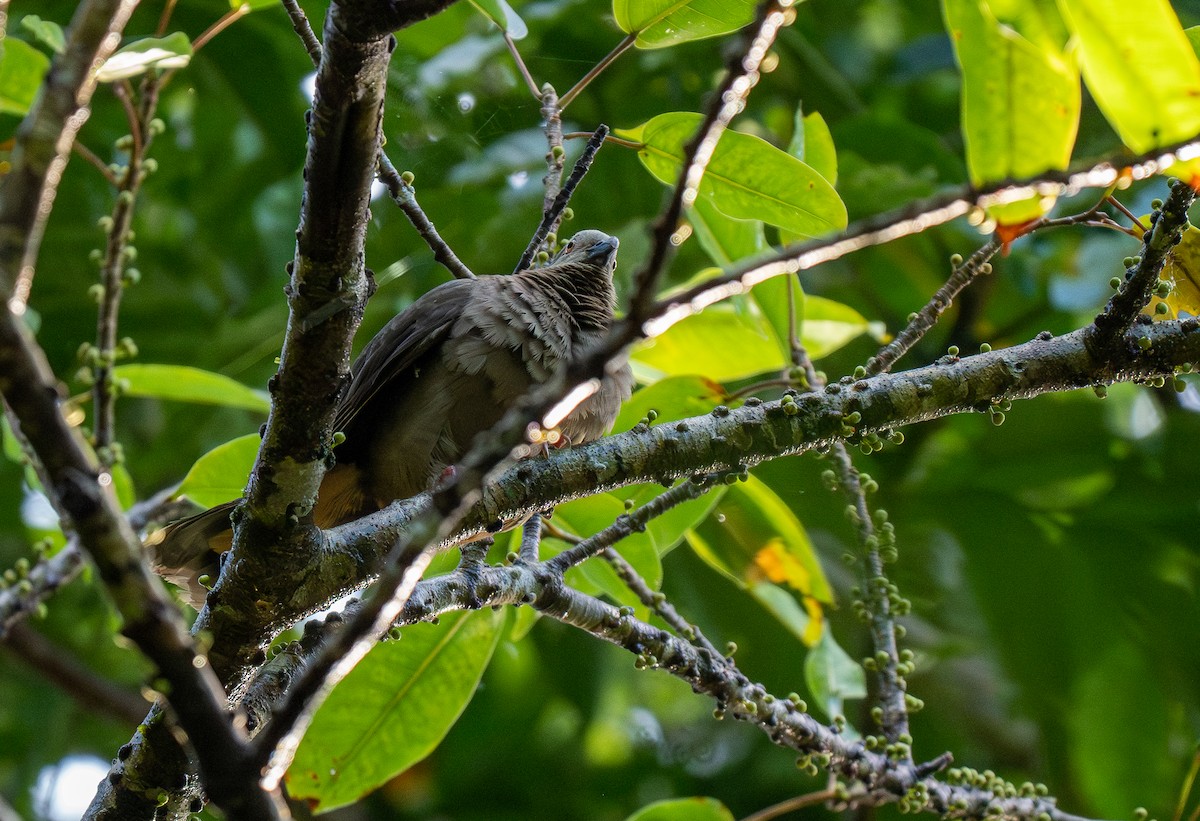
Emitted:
<point x="405" y="196"/>
<point x="530" y="83"/>
<point x="579" y="135"/>
<point x="165" y="18"/>
<point x="924" y="320"/>
<point x="226" y="20"/>
<point x="791" y="805"/>
<point x="608" y="60"/>
<point x="551" y="216"/>
<point x="303" y="30"/>
<point x="95" y="161"/>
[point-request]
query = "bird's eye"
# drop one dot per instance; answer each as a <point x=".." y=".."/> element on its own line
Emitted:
<point x="569" y="247"/>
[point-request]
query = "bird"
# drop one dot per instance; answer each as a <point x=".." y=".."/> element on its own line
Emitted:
<point x="442" y="371"/>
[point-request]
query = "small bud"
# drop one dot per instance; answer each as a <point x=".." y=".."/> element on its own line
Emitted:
<point x="984" y="348"/>
<point x="157" y="126"/>
<point x="1114" y="283"/>
<point x="956" y="260"/>
<point x="568" y="214"/>
<point x="407" y="177"/>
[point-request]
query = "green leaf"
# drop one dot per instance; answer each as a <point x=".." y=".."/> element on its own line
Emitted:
<point x="46" y="32"/>
<point x="1020" y="98"/>
<point x="669" y="529"/>
<point x="220" y="475"/>
<point x="161" y="53"/>
<point x="747" y="178"/>
<point x="771" y="297"/>
<point x="747" y="345"/>
<point x="22" y="68"/>
<point x="725" y="239"/>
<point x="755" y="537"/>
<point x="1140" y="68"/>
<point x="829" y="326"/>
<point x="182" y="383"/>
<point x="503" y="15"/>
<point x="812" y="144"/>
<point x="832" y="676"/>
<point x="662" y="23"/>
<point x="676" y="397"/>
<point x="393" y="709"/>
<point x="586" y="517"/>
<point x="684" y="809"/>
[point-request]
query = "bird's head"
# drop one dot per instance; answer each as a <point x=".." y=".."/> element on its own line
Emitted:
<point x="592" y="247"/>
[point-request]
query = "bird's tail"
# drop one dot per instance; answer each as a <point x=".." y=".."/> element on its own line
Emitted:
<point x="183" y="551"/>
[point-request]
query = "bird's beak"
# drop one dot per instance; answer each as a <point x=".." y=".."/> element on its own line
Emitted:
<point x="604" y="249"/>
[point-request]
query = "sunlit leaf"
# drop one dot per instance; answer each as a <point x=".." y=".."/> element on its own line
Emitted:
<point x="812" y="144"/>
<point x="832" y="676"/>
<point x="669" y="529"/>
<point x="393" y="709"/>
<point x="747" y="177"/>
<point x="1020" y="99"/>
<point x="747" y="346"/>
<point x="684" y="809"/>
<point x="726" y="240"/>
<point x="586" y="517"/>
<point x="1140" y="67"/>
<point x="160" y="53"/>
<point x="220" y="475"/>
<point x="829" y="325"/>
<point x="662" y="23"/>
<point x="1182" y="271"/>
<point x="503" y="15"/>
<point x="22" y="68"/>
<point x="46" y="32"/>
<point x="771" y="297"/>
<point x="182" y="383"/>
<point x="675" y="397"/>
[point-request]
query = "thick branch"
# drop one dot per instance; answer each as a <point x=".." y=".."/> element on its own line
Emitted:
<point x="726" y="439"/>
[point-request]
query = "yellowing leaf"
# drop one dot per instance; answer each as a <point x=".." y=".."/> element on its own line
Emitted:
<point x="1020" y="99"/>
<point x="1140" y="67"/>
<point x="1182" y="270"/>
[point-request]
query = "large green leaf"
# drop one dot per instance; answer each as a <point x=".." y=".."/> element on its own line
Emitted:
<point x="750" y="343"/>
<point x="747" y="346"/>
<point x="747" y="177"/>
<point x="393" y="709"/>
<point x="1140" y="67"/>
<point x="22" y="68"/>
<point x="1020" y="98"/>
<point x="183" y="383"/>
<point x="675" y="397"/>
<point x="220" y="475"/>
<point x="662" y="23"/>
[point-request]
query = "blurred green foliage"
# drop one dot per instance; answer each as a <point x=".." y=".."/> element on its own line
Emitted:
<point x="1053" y="561"/>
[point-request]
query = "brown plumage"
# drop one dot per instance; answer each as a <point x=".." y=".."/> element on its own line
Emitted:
<point x="440" y="372"/>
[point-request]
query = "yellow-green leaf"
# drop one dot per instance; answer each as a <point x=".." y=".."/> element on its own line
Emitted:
<point x="662" y="23"/>
<point x="22" y="68"/>
<point x="393" y="709"/>
<point x="1020" y="98"/>
<point x="726" y="240"/>
<point x="684" y="809"/>
<point x="747" y="177"/>
<point x="1140" y="67"/>
<point x="183" y="383"/>
<point x="220" y="475"/>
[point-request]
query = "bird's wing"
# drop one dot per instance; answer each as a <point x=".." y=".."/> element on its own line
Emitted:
<point x="397" y="348"/>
